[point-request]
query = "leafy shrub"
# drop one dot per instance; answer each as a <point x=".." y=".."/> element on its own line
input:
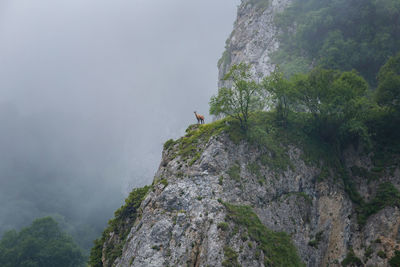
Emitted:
<point x="223" y="226"/>
<point x="351" y="259"/>
<point x="368" y="252"/>
<point x="169" y="144"/>
<point x="164" y="181"/>
<point x="381" y="254"/>
<point x="395" y="260"/>
<point x="231" y="258"/>
<point x="315" y="242"/>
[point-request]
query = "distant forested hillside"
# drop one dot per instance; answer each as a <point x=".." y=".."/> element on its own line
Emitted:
<point x="42" y="244"/>
<point x="339" y="34"/>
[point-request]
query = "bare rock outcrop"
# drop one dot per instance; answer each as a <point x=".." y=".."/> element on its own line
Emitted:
<point x="254" y="37"/>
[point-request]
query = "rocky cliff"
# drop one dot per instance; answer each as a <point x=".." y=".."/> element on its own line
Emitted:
<point x="218" y="199"/>
<point x="218" y="202"/>
<point x="254" y="37"/>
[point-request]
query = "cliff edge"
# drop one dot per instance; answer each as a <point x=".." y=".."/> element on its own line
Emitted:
<point x="218" y="200"/>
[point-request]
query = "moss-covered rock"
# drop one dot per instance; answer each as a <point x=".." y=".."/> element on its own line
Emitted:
<point x="277" y="246"/>
<point x="109" y="246"/>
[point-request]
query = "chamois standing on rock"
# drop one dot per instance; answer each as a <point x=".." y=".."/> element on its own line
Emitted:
<point x="200" y="118"/>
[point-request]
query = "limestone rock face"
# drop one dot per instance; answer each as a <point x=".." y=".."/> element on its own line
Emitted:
<point x="182" y="220"/>
<point x="253" y="38"/>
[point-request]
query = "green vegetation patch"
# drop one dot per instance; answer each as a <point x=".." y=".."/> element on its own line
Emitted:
<point x="351" y="259"/>
<point x="318" y="238"/>
<point x="234" y="172"/>
<point x="322" y="113"/>
<point x="395" y="260"/>
<point x="164" y="182"/>
<point x="120" y="225"/>
<point x="190" y="147"/>
<point x="277" y="246"/>
<point x="381" y="254"/>
<point x="386" y="195"/>
<point x="170" y="143"/>
<point x="226" y="59"/>
<point x="223" y="226"/>
<point x="267" y="134"/>
<point x="231" y="258"/>
<point x="368" y="252"/>
<point x="364" y="173"/>
<point x="254" y="168"/>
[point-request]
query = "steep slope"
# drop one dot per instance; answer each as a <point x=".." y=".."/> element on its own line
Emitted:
<point x="215" y="202"/>
<point x="224" y="198"/>
<point x="254" y="37"/>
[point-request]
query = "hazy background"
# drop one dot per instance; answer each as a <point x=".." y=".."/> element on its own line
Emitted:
<point x="89" y="92"/>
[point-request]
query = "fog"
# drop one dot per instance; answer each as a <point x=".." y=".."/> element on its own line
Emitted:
<point x="89" y="92"/>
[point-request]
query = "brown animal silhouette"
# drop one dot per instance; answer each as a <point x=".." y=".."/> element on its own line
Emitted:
<point x="200" y="118"/>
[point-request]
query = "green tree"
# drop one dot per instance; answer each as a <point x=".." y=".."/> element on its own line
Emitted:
<point x="388" y="91"/>
<point x="42" y="244"/>
<point x="280" y="93"/>
<point x="238" y="100"/>
<point x="336" y="102"/>
<point x="314" y="90"/>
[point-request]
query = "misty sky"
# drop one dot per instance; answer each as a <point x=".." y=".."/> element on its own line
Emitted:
<point x="89" y="92"/>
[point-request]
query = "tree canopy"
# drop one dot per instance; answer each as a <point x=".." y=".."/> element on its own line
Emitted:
<point x="331" y="98"/>
<point x="339" y="34"/>
<point x="388" y="91"/>
<point x="42" y="244"/>
<point x="338" y="105"/>
<point x="242" y="97"/>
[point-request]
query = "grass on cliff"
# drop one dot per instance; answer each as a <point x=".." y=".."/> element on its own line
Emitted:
<point x="277" y="246"/>
<point x="120" y="225"/>
<point x="234" y="172"/>
<point x="190" y="146"/>
<point x="231" y="258"/>
<point x="263" y="133"/>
